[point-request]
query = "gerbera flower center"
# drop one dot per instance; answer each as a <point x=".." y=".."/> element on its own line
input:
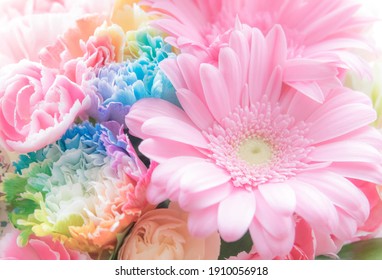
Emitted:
<point x="259" y="144"/>
<point x="255" y="151"/>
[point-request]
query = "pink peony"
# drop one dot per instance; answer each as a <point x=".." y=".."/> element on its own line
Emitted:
<point x="37" y="106"/>
<point x="38" y="248"/>
<point x="162" y="234"/>
<point x="249" y="154"/>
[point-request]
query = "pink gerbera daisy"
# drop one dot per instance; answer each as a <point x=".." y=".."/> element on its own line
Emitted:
<point x="246" y="154"/>
<point x="321" y="31"/>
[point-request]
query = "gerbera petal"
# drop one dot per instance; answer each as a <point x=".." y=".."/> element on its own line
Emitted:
<point x="230" y="68"/>
<point x="313" y="206"/>
<point x="215" y="91"/>
<point x="171" y="69"/>
<point x="341" y="191"/>
<point x="203" y="176"/>
<point x="204" y="199"/>
<point x="232" y="226"/>
<point x="341" y="121"/>
<point x="346" y="151"/>
<point x="275" y="224"/>
<point x="148" y="108"/>
<point x="195" y="108"/>
<point x="258" y="66"/>
<point x="309" y="89"/>
<point x="239" y="45"/>
<point x="188" y="66"/>
<point x="269" y="246"/>
<point x="280" y="197"/>
<point x="203" y="222"/>
<point x="175" y="130"/>
<point x="169" y="149"/>
<point x="163" y="173"/>
<point x="358" y="170"/>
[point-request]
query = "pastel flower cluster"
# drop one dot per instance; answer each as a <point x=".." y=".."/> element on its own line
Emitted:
<point x="163" y="129"/>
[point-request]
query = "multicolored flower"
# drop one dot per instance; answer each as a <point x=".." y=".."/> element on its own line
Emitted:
<point x="82" y="190"/>
<point x="117" y="86"/>
<point x="246" y="153"/>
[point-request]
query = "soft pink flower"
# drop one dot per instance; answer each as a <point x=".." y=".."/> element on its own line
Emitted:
<point x="37" y="106"/>
<point x="38" y="248"/>
<point x="321" y="31"/>
<point x="162" y="234"/>
<point x="78" y="50"/>
<point x="249" y="154"/>
<point x="28" y="26"/>
<point x="374" y="223"/>
<point x="11" y="9"/>
<point x="303" y="248"/>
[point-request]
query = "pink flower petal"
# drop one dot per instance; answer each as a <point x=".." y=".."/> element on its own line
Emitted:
<point x="203" y="176"/>
<point x="267" y="245"/>
<point x="175" y="130"/>
<point x="280" y="197"/>
<point x="169" y="149"/>
<point x="148" y="108"/>
<point x="215" y="91"/>
<point x="313" y="206"/>
<point x="232" y="226"/>
<point x="358" y="170"/>
<point x="341" y="192"/>
<point x="204" y="199"/>
<point x="195" y="108"/>
<point x="230" y="68"/>
<point x="163" y="177"/>
<point x="346" y="151"/>
<point x="270" y="219"/>
<point x="341" y="121"/>
<point x="204" y="222"/>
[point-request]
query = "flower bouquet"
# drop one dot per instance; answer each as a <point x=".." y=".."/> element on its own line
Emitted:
<point x="163" y="129"/>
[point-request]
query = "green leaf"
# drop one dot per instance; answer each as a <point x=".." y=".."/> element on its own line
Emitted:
<point x="120" y="238"/>
<point x="13" y="186"/>
<point x="370" y="249"/>
<point x="229" y="249"/>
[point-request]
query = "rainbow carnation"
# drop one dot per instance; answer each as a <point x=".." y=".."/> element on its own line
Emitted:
<point x="83" y="189"/>
<point x="119" y="85"/>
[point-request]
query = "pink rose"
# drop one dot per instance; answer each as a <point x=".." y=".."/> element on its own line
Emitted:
<point x="37" y="106"/>
<point x="162" y="234"/>
<point x="38" y="248"/>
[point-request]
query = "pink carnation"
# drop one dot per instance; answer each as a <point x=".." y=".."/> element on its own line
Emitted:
<point x="38" y="106"/>
<point x="78" y="50"/>
<point x="28" y="26"/>
<point x="38" y="248"/>
<point x="249" y="154"/>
